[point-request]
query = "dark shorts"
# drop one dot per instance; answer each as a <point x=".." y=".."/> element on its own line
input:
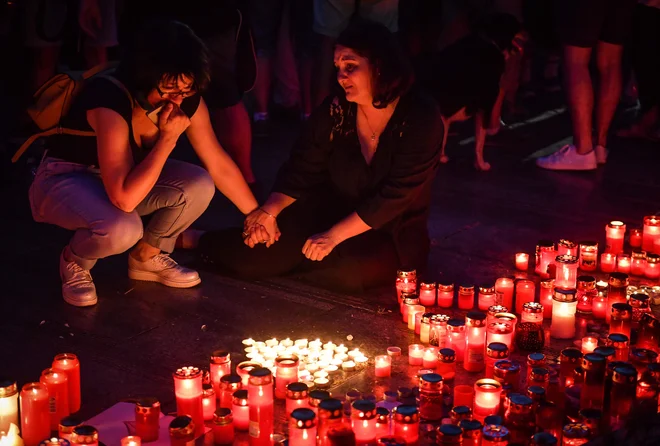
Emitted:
<point x="583" y="23"/>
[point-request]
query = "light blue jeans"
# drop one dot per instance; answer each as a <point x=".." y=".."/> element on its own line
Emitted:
<point x="72" y="196"/>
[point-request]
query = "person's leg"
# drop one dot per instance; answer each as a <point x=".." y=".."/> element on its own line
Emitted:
<point x="608" y="61"/>
<point x="232" y="127"/>
<point x="580" y="95"/>
<point x="73" y="197"/>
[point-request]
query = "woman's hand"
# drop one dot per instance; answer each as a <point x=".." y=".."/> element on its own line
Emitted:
<point x="318" y="246"/>
<point x="172" y="121"/>
<point x="260" y="227"/>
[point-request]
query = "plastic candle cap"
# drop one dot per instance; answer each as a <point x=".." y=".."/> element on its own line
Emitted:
<point x="605" y="351"/>
<point x="391" y="396"/>
<point x="8" y="387"/>
<point x="544" y="439"/>
<point x="222" y="416"/>
<point x="571" y="354"/>
<point x="449" y="430"/>
<point x="576" y="430"/>
<point x="536" y="392"/>
<point x="367" y="408"/>
<point x="461" y="411"/>
<point x="297" y="387"/>
<point x="220" y="356"/>
<point x="146" y="402"/>
<point x="494" y="419"/>
<point x="392" y="441"/>
<point x="319" y="395"/>
<point x="431" y="377"/>
<point x="536" y="356"/>
<point x="331" y="404"/>
<point x="382" y="411"/>
<point x="456" y="322"/>
<point x="642" y="354"/>
<point x="618" y="337"/>
<point x="303" y="414"/>
<point x="470" y="425"/>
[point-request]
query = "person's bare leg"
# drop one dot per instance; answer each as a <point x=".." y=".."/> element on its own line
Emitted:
<point x="608" y="60"/>
<point x="324" y="65"/>
<point x="232" y="127"/>
<point x="262" y="85"/>
<point x="143" y="251"/>
<point x="580" y="95"/>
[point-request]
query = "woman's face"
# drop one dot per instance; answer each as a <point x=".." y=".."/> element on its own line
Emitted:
<point x="354" y="75"/>
<point x="171" y="89"/>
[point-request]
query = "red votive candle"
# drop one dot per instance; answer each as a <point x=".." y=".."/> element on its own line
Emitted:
<point x="260" y="395"/>
<point x="406" y="423"/>
<point x="463" y="395"/>
<point x="85" y="435"/>
<point x="430" y="358"/>
<point x="147" y="419"/>
<point x="487" y="393"/>
<point x="415" y="354"/>
<point x="522" y="261"/>
<point x="446" y="295"/>
<point x="623" y="263"/>
<point x="427" y="294"/>
<point x="131" y="440"/>
<point x="652" y="270"/>
<point x="545" y="256"/>
<point x="182" y="431"/>
<point x="406" y="282"/>
<point x="545" y="297"/>
<point x="302" y="428"/>
<point x="363" y="421"/>
<point x="208" y="402"/>
<point x="383" y="364"/>
<point x="189" y="393"/>
<point x="607" y="262"/>
<point x="58" y="395"/>
<point x="285" y="374"/>
<point x="69" y="364"/>
<point x="524" y="293"/>
<point x="615" y="232"/>
<point x="638" y="263"/>
<point x="223" y="426"/>
<point x="465" y="297"/>
<point x="241" y="410"/>
<point x="504" y="287"/>
<point x="486" y="298"/>
<point x="35" y="415"/>
<point x="220" y="365"/>
<point x="229" y="384"/>
<point x="635" y="238"/>
<point x="651" y="232"/>
<point x="567" y="248"/>
<point x="475" y="349"/>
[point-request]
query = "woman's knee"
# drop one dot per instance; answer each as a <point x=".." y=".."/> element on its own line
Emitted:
<point x="198" y="186"/>
<point x="119" y="233"/>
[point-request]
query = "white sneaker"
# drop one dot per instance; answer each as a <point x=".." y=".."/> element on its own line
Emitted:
<point x="567" y="158"/>
<point x="601" y="154"/>
<point x="162" y="269"/>
<point x="77" y="285"/>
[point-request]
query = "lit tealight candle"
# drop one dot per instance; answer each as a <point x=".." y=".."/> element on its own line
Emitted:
<point x="430" y="358"/>
<point x="504" y="287"/>
<point x="131" y="440"/>
<point x="383" y="364"/>
<point x="522" y="261"/>
<point x="300" y="343"/>
<point x="341" y="357"/>
<point x="354" y="353"/>
<point x="487" y="393"/>
<point x="348" y="366"/>
<point x="607" y="262"/>
<point x="248" y="342"/>
<point x="286" y="342"/>
<point x="614" y="234"/>
<point x="635" y="238"/>
<point x="360" y="362"/>
<point x="321" y="374"/>
<point x="315" y="345"/>
<point x="341" y="348"/>
<point x="589" y="344"/>
<point x="415" y="354"/>
<point x="272" y="342"/>
<point x="329" y="346"/>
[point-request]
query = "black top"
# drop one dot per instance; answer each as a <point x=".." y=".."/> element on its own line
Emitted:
<point x="465" y="74"/>
<point x="99" y="93"/>
<point x="393" y="193"/>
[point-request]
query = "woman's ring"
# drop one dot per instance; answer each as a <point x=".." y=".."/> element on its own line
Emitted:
<point x="245" y="234"/>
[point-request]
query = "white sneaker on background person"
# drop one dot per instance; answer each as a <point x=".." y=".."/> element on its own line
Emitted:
<point x="162" y="269"/>
<point x="78" y="288"/>
<point x="567" y="158"/>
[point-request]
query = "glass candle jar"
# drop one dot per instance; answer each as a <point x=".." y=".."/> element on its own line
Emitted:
<point x="608" y="262"/>
<point x="621" y="345"/>
<point x="297" y="397"/>
<point x="449" y="434"/>
<point x="647" y="389"/>
<point x="229" y="384"/>
<point x="638" y="263"/>
<point x="182" y="431"/>
<point x="330" y="415"/>
<point x="241" y="410"/>
<point x="594" y="376"/>
<point x="493" y="310"/>
<point x="615" y="232"/>
<point x="456" y="328"/>
<point x="652" y="270"/>
<point x="460" y="413"/>
<point x="592" y="418"/>
<point x="575" y="434"/>
<point x="566" y="272"/>
<point x="243" y="369"/>
<point x="58" y="395"/>
<point x="529" y="336"/>
<point x="188" y="390"/>
<point x="525" y="291"/>
<point x="409" y="300"/>
<point x="504" y="287"/>
<point x="220" y="365"/>
<point x="567" y="248"/>
<point x="406" y="281"/>
<point x="539" y="376"/>
<point x="69" y="364"/>
<point x="496" y="351"/>
<point x="536" y="359"/>
<point x="427" y="293"/>
<point x="640" y="358"/>
<point x="35" y="413"/>
<point x="564" y="307"/>
<point x="260" y="397"/>
<point x="285" y="374"/>
<point x="447" y="364"/>
<point x="487" y="394"/>
<point x="500" y="331"/>
<point x="471" y="432"/>
<point x="649" y="332"/>
<point x="640" y="306"/>
<point x="439" y="335"/>
<point x="588" y="256"/>
<point x="508" y="318"/>
<point x="415" y="354"/>
<point x="147" y="416"/>
<point x="406" y="423"/>
<point x="475" y="341"/>
<point x="651" y="232"/>
<point x="208" y="402"/>
<point x="621" y="319"/>
<point x="519" y="418"/>
<point x="494" y="435"/>
<point x="425" y="328"/>
<point x="430" y="358"/>
<point x="546" y="292"/>
<point x="543" y="439"/>
<point x="465" y="297"/>
<point x="382" y="422"/>
<point x="545" y="256"/>
<point x="383" y="366"/>
<point x="635" y="238"/>
<point x="532" y="312"/>
<point x="445" y="295"/>
<point x="623" y="262"/>
<point x="302" y="427"/>
<point x="430" y="397"/>
<point x="84" y="435"/>
<point x="67" y="424"/>
<point x="463" y="395"/>
<point x="589" y="344"/>
<point x="486" y="297"/>
<point x="586" y="291"/>
<point x="223" y="426"/>
<point x="8" y="404"/>
<point x="522" y="261"/>
<point x="363" y="421"/>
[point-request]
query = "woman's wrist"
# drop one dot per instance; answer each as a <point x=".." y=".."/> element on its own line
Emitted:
<point x="260" y="208"/>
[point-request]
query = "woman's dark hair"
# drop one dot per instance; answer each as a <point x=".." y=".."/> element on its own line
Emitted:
<point x="392" y="74"/>
<point x="164" y="50"/>
<point x="501" y="28"/>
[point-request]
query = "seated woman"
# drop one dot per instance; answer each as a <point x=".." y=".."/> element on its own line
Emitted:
<point x="100" y="187"/>
<point x="352" y="201"/>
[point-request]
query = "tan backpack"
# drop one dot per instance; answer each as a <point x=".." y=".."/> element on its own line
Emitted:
<point x="53" y="100"/>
